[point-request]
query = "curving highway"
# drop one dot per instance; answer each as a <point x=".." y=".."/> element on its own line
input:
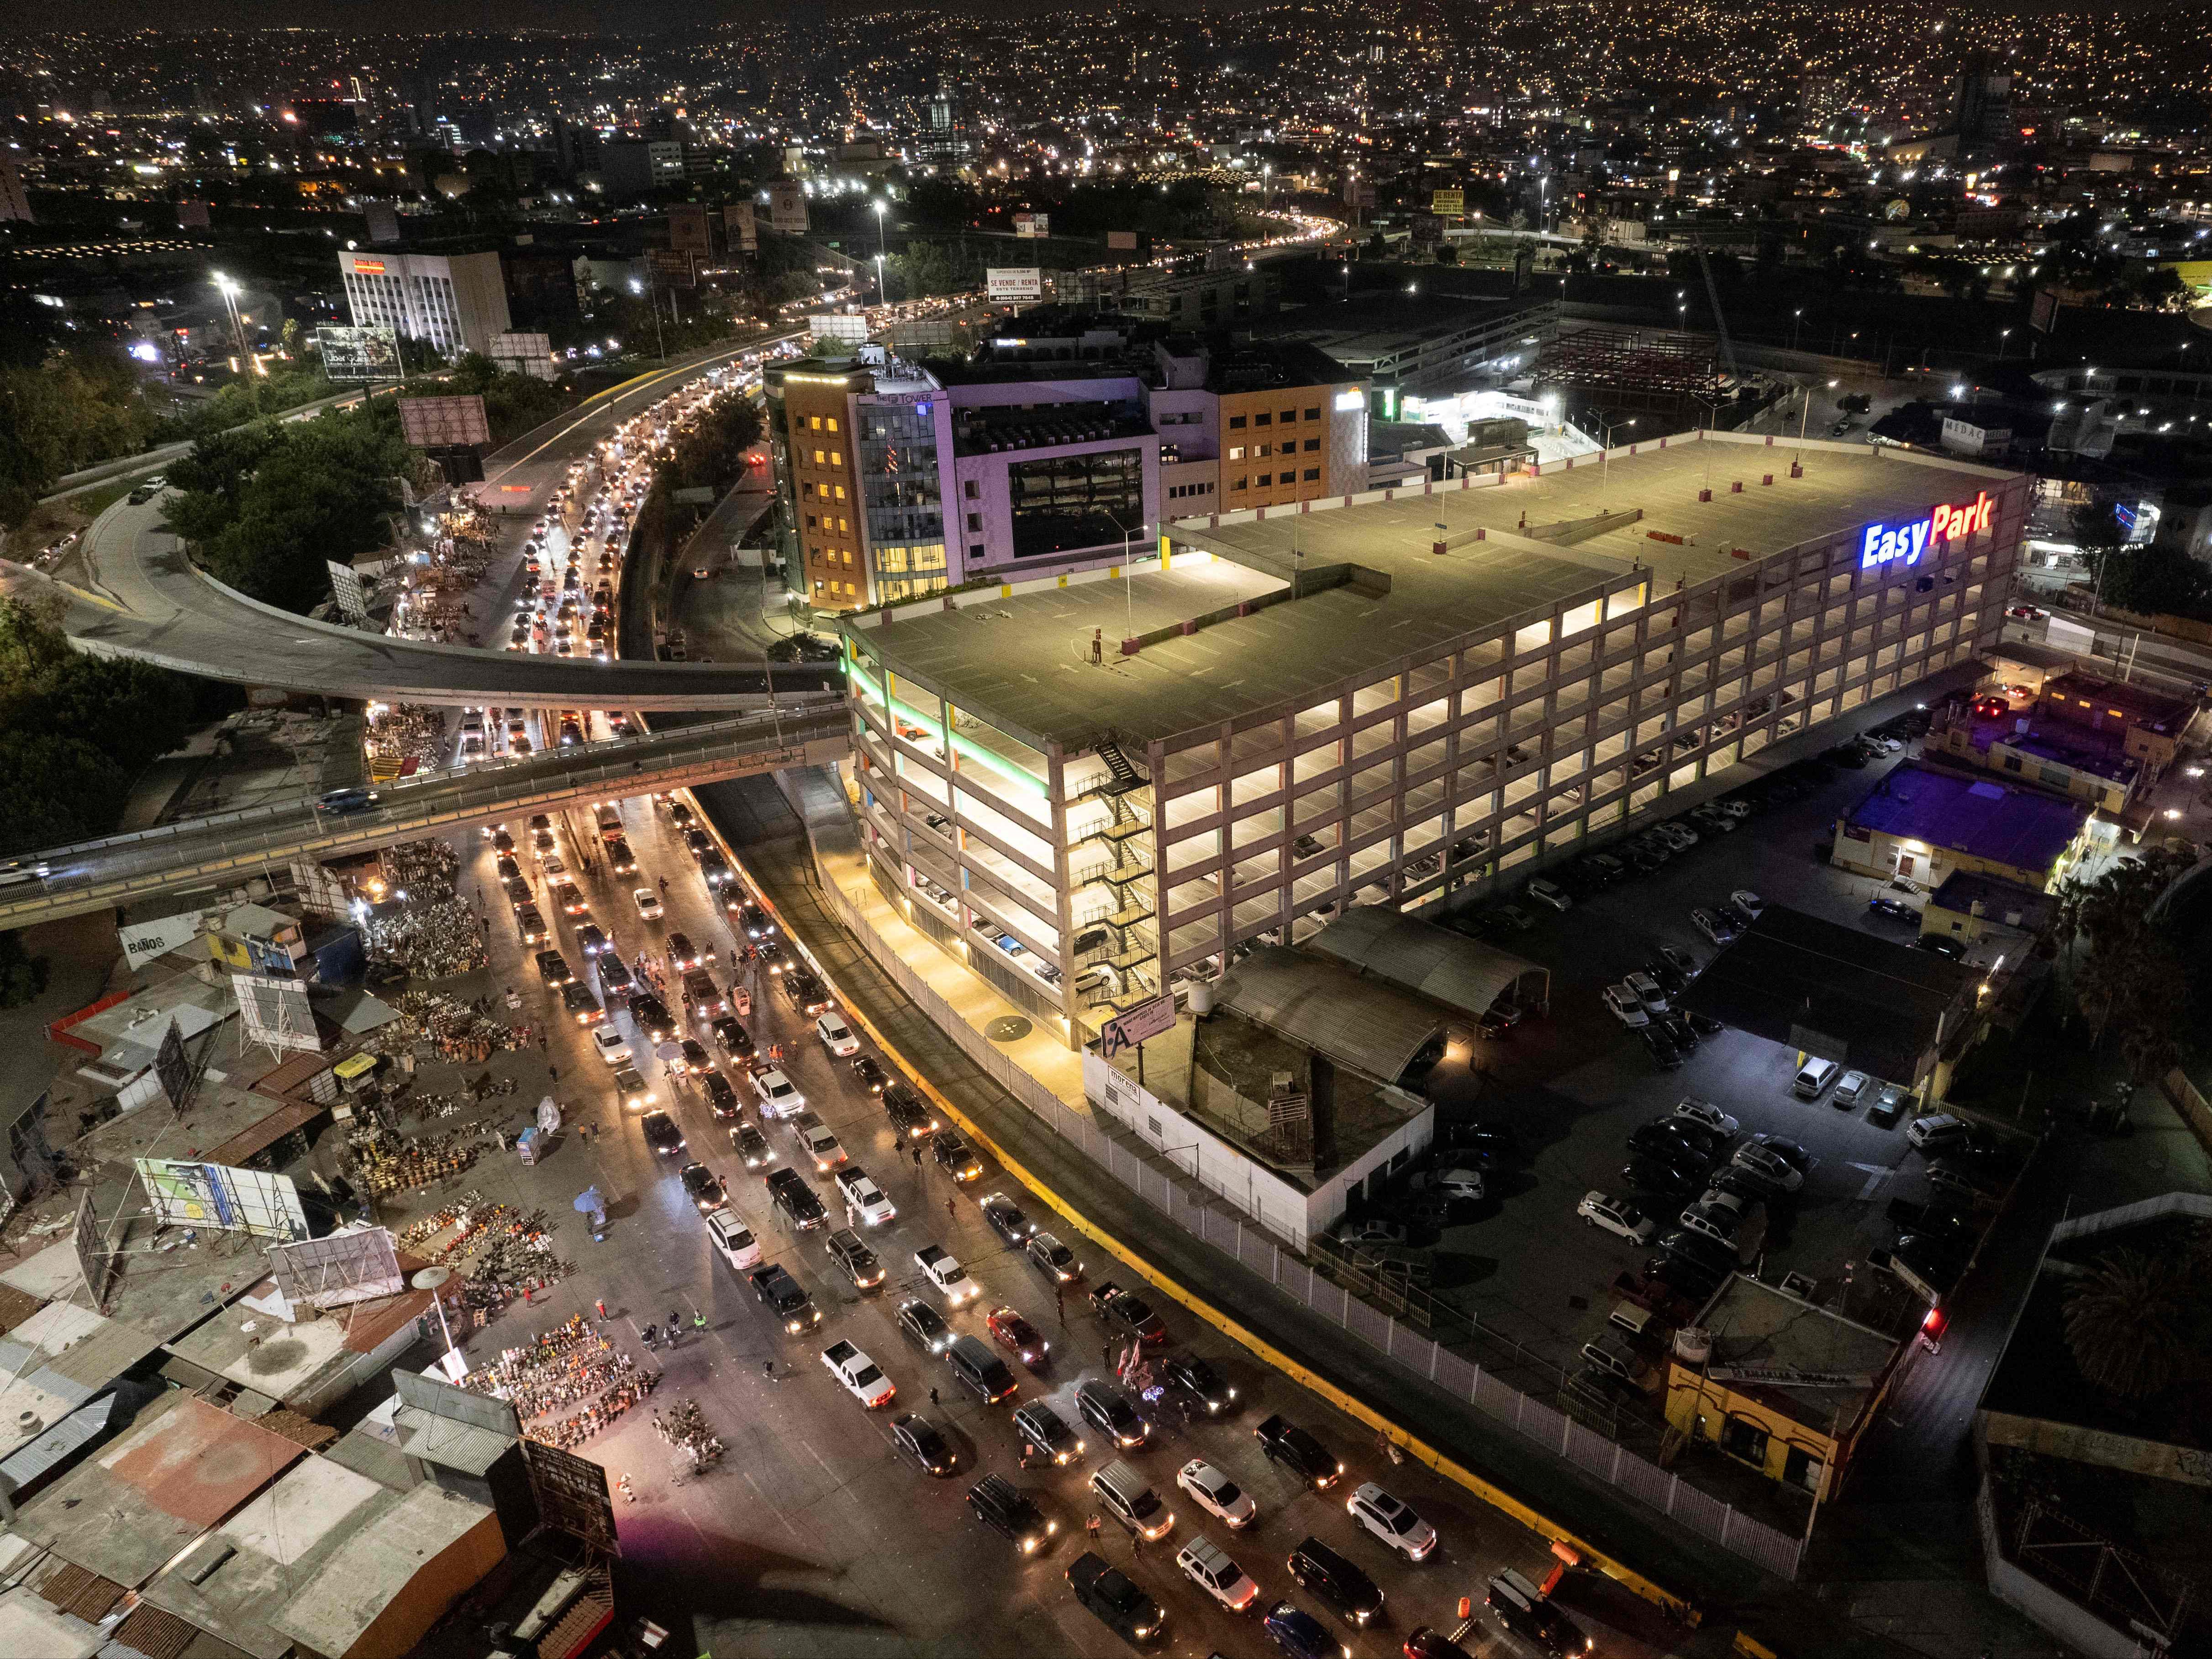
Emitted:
<point x="148" y="602"/>
<point x="227" y="847"/>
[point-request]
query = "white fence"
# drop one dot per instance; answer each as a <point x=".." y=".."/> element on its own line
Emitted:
<point x="1775" y="1551"/>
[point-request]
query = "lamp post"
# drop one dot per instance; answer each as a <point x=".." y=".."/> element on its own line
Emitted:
<point x="881" y="298"/>
<point x="2003" y="335"/>
<point x="1806" y="414"/>
<point x="1129" y="575"/>
<point x="228" y="289"/>
<point x="1605" y="456"/>
<point x="1796" y="327"/>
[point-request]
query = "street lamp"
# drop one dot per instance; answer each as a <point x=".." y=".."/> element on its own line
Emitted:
<point x="1128" y="574"/>
<point x="1605" y="456"/>
<point x="228" y="289"/>
<point x="2003" y="335"/>
<point x="877" y="204"/>
<point x="1796" y="327"/>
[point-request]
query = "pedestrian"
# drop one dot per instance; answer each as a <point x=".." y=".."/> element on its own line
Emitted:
<point x="541" y="1040"/>
<point x="933" y="1396"/>
<point x="675" y="1320"/>
<point x="553" y="1072"/>
<point x="1089" y="1526"/>
<point x="950" y="1211"/>
<point x="917" y="1157"/>
<point x="1106" y="1355"/>
<point x="1059" y="1304"/>
<point x="768" y="1369"/>
<point x="651" y="1333"/>
<point x="601" y="1304"/>
<point x="698" y="1320"/>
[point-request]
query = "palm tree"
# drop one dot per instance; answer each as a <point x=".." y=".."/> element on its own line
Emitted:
<point x="2132" y="1323"/>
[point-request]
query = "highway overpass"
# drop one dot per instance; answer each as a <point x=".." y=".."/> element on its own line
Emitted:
<point x="146" y="600"/>
<point x="229" y="847"/>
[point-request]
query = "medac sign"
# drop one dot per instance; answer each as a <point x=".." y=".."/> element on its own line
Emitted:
<point x="1884" y="543"/>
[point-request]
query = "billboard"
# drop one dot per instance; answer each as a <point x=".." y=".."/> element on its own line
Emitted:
<point x="1448" y="204"/>
<point x="690" y="230"/>
<point x="1121" y="241"/>
<point x="1140" y="1025"/>
<point x="189" y="1195"/>
<point x="1032" y="224"/>
<point x="275" y="1012"/>
<point x="523" y="354"/>
<point x="826" y="325"/>
<point x="383" y="220"/>
<point x="358" y="353"/>
<point x="172" y="1069"/>
<point x="192" y="215"/>
<point x="443" y="422"/>
<point x="787" y="207"/>
<point x="93" y="1259"/>
<point x="357" y="1266"/>
<point x="672" y="267"/>
<point x="1014" y="283"/>
<point x="743" y="232"/>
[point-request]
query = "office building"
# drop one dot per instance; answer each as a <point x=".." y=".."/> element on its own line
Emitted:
<point x="632" y="166"/>
<point x="456" y="302"/>
<point x="947" y="140"/>
<point x="1388" y="700"/>
<point x="1067" y="448"/>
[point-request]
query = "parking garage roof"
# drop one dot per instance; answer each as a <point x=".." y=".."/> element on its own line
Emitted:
<point x="1824" y="989"/>
<point x="1022" y="662"/>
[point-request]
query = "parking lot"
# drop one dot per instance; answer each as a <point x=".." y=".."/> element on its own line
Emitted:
<point x="1570" y="1087"/>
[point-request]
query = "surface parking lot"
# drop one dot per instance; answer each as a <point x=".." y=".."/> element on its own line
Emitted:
<point x="1571" y="1088"/>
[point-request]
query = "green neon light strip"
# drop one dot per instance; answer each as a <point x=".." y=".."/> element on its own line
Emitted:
<point x="967" y="748"/>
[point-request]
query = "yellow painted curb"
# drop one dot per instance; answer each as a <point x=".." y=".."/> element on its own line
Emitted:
<point x="1496" y="1497"/>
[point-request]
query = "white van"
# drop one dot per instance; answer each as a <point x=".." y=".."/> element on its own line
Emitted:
<point x="1813" y="1077"/>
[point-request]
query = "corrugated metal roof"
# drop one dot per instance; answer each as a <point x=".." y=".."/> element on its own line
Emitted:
<point x="26" y="1464"/>
<point x="1373" y="1028"/>
<point x="1458" y="972"/>
<point x="442" y="1440"/>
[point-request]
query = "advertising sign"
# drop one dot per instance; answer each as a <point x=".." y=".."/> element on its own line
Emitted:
<point x="275" y="1012"/>
<point x="347" y="588"/>
<point x="744" y="231"/>
<point x="370" y="354"/>
<point x="443" y="422"/>
<point x="189" y="1195"/>
<point x="93" y="1259"/>
<point x="1121" y="241"/>
<point x="1013" y="282"/>
<point x="1032" y="224"/>
<point x="1448" y="204"/>
<point x="172" y="1069"/>
<point x="787" y="207"/>
<point x="828" y="325"/>
<point x="673" y="268"/>
<point x="144" y="940"/>
<point x="523" y="354"/>
<point x="1139" y="1025"/>
<point x="1881" y="544"/>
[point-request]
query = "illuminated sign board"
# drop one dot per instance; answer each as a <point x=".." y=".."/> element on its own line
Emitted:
<point x="370" y="267"/>
<point x="1883" y="544"/>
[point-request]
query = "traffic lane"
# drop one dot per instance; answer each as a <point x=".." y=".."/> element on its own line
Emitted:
<point x="1475" y="1539"/>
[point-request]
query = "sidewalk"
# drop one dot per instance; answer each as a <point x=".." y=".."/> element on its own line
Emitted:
<point x="1728" y="1590"/>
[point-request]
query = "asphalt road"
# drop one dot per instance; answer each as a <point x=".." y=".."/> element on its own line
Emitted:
<point x="815" y="1536"/>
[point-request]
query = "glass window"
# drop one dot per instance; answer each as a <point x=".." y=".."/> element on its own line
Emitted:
<point x="1313" y="415"/>
<point x="1262" y="419"/>
<point x="1313" y="474"/>
<point x="1236" y="423"/>
<point x="1069" y="501"/>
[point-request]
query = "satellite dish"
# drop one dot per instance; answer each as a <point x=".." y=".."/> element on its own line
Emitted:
<point x="430" y="1278"/>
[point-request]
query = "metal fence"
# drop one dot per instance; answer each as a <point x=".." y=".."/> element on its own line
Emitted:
<point x="1402" y="1344"/>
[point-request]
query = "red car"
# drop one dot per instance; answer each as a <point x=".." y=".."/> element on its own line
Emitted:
<point x="1011" y="1331"/>
<point x="1992" y="708"/>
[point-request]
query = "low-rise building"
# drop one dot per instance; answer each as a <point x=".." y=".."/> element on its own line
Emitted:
<point x="2076" y="761"/>
<point x="456" y="301"/>
<point x="1779" y="1383"/>
<point x="1922" y="824"/>
<point x="2150" y="724"/>
<point x="1986" y="909"/>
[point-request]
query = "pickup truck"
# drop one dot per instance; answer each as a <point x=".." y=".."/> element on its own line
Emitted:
<point x="788" y="1296"/>
<point x="862" y="1378"/>
<point x="795" y="1200"/>
<point x="1298" y="1451"/>
<point x="1131" y="1313"/>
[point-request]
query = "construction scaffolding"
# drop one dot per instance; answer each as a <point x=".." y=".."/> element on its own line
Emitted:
<point x="1665" y="382"/>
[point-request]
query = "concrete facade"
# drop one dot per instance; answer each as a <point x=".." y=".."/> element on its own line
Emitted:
<point x="455" y="301"/>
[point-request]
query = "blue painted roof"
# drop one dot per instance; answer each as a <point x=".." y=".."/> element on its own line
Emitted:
<point x="1977" y="816"/>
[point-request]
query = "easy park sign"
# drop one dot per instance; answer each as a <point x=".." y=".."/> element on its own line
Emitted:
<point x="1883" y="544"/>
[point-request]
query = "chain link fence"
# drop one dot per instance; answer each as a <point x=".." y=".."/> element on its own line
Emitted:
<point x="1405" y="1346"/>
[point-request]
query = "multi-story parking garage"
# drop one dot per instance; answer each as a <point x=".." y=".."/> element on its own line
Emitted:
<point x="1087" y="788"/>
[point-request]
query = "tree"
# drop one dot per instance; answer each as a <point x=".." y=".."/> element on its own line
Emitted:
<point x="22" y="976"/>
<point x="2136" y="1325"/>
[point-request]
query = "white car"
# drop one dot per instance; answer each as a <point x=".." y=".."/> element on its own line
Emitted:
<point x="864" y="1199"/>
<point x="1550" y="893"/>
<point x="1217" y="1494"/>
<point x="1849" y="1088"/>
<point x="1617" y="1215"/>
<point x="1748" y="902"/>
<point x="1627" y="1007"/>
<point x="779" y="1096"/>
<point x="733" y="1240"/>
<point x="1706" y="1112"/>
<point x="1770" y="1166"/>
<point x="1457" y="1183"/>
<point x="1208" y="1565"/>
<point x="1677" y="834"/>
<point x="1392" y="1521"/>
<point x="836" y="1036"/>
<point x="942" y="1269"/>
<point x="1647" y="992"/>
<point x="863" y="1379"/>
<point x="648" y="902"/>
<point x="817" y="1140"/>
<point x="1735" y="809"/>
<point x="610" y="1046"/>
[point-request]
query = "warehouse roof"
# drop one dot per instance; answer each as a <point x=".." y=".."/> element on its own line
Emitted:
<point x="1371" y="1027"/>
<point x="1832" y="990"/>
<point x="1226" y="645"/>
<point x="1438" y="963"/>
<point x="2020" y="828"/>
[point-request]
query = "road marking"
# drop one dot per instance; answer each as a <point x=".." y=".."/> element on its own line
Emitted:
<point x="1872" y="1181"/>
